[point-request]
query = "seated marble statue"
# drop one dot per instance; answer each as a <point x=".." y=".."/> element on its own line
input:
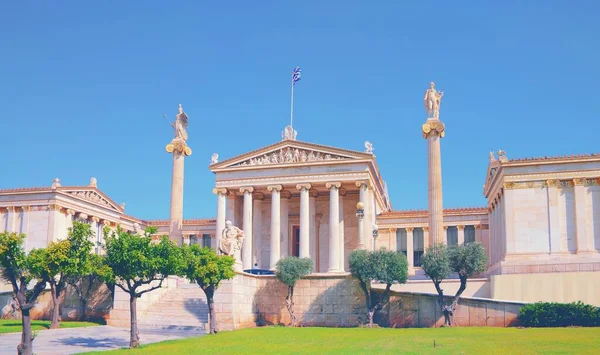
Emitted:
<point x="231" y="239"/>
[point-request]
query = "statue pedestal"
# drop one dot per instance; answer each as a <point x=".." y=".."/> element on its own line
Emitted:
<point x="237" y="266"/>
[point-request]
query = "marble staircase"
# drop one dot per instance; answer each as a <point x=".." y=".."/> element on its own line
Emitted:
<point x="180" y="308"/>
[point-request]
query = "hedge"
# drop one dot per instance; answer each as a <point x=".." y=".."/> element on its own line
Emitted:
<point x="552" y="314"/>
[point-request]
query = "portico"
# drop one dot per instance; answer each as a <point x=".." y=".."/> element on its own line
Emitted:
<point x="297" y="198"/>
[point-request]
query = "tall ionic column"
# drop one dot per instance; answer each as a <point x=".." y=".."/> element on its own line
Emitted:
<point x="433" y="131"/>
<point x="275" y="251"/>
<point x="178" y="147"/>
<point x="304" y="251"/>
<point x="247" y="245"/>
<point x="410" y="255"/>
<point x="342" y="236"/>
<point x="221" y="212"/>
<point x="334" y="225"/>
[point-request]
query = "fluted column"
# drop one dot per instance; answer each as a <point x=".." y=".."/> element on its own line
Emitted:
<point x="221" y="212"/>
<point x="342" y="236"/>
<point x="247" y="246"/>
<point x="433" y="131"/>
<point x="334" y="225"/>
<point x="362" y="197"/>
<point x="410" y="255"/>
<point x="257" y="230"/>
<point x="461" y="234"/>
<point x="585" y="239"/>
<point x="304" y="251"/>
<point x="11" y="219"/>
<point x="275" y="224"/>
<point x="426" y="242"/>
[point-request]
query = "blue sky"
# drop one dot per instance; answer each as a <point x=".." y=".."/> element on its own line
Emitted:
<point x="84" y="85"/>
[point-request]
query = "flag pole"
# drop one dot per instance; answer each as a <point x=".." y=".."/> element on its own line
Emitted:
<point x="292" y="105"/>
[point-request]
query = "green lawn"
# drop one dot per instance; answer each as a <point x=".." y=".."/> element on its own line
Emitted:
<point x="271" y="340"/>
<point x="14" y="325"/>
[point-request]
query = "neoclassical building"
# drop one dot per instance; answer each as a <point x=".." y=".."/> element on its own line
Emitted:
<point x="541" y="225"/>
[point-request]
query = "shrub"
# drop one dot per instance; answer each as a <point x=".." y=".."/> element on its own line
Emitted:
<point x="552" y="314"/>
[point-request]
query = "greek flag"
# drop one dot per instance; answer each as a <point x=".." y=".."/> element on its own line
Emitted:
<point x="296" y="75"/>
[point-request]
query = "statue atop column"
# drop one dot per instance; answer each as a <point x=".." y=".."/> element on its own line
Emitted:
<point x="231" y="239"/>
<point x="179" y="143"/>
<point x="432" y="101"/>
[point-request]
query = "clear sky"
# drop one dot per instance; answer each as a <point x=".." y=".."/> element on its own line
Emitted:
<point x="83" y="86"/>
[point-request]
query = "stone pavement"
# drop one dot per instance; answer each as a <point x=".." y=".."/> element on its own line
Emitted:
<point x="77" y="340"/>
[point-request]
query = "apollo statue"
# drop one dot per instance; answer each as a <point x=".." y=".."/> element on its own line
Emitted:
<point x="181" y="124"/>
<point x="432" y="101"/>
<point x="232" y="239"/>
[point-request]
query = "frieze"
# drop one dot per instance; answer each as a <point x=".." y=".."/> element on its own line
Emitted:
<point x="289" y="156"/>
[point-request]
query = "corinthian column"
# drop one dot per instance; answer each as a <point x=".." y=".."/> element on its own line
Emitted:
<point x="433" y="131"/>
<point x="275" y="224"/>
<point x="221" y="211"/>
<point x="247" y="246"/>
<point x="304" y="251"/>
<point x="334" y="225"/>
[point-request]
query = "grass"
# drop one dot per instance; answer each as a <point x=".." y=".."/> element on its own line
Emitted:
<point x="269" y="340"/>
<point x="14" y="325"/>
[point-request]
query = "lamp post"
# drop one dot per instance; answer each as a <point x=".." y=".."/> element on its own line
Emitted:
<point x="375" y="234"/>
<point x="360" y="214"/>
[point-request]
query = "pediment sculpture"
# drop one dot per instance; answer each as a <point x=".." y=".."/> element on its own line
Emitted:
<point x="290" y="155"/>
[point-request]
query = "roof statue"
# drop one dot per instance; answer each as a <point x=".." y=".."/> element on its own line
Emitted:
<point x="55" y="183"/>
<point x="138" y="230"/>
<point x="93" y="182"/>
<point x="214" y="158"/>
<point x="122" y="205"/>
<point x="502" y="156"/>
<point x="432" y="101"/>
<point x="369" y="147"/>
<point x="289" y="133"/>
<point x="492" y="157"/>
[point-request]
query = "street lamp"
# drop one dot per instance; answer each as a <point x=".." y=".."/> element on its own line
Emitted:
<point x="375" y="234"/>
<point x="360" y="214"/>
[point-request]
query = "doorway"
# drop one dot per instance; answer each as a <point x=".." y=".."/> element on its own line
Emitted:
<point x="296" y="241"/>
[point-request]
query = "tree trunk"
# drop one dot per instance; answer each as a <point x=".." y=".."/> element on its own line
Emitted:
<point x="445" y="310"/>
<point x="134" y="340"/>
<point x="289" y="303"/>
<point x="212" y="314"/>
<point x="370" y="313"/>
<point x="26" y="346"/>
<point x="449" y="310"/>
<point x="55" y="306"/>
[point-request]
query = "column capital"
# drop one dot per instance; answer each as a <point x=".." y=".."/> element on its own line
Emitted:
<point x="53" y="207"/>
<point x="433" y="128"/>
<point x="460" y="227"/>
<point x="393" y="230"/>
<point x="409" y="229"/>
<point x="11" y="208"/>
<point x="553" y="183"/>
<point x="71" y="212"/>
<point x="303" y="186"/>
<point x="425" y="229"/>
<point x="274" y="187"/>
<point x="360" y="184"/>
<point x="26" y="208"/>
<point x="579" y="181"/>
<point x="335" y="184"/>
<point x="508" y="185"/>
<point x="314" y="193"/>
<point x="96" y="219"/>
<point x="83" y="216"/>
<point x="445" y="228"/>
<point x="245" y="189"/>
<point x="286" y="194"/>
<point x="220" y="191"/>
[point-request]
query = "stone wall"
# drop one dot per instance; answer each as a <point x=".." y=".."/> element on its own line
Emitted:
<point x="99" y="305"/>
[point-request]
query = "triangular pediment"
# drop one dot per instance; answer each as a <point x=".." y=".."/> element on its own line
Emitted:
<point x="493" y="167"/>
<point x="291" y="152"/>
<point x="93" y="195"/>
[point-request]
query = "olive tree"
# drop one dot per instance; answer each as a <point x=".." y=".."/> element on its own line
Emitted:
<point x="440" y="261"/>
<point x="204" y="267"/>
<point x="139" y="266"/>
<point x="92" y="273"/>
<point x="383" y="266"/>
<point x="15" y="269"/>
<point x="289" y="271"/>
<point x="60" y="261"/>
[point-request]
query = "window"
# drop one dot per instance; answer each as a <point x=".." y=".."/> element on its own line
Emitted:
<point x="469" y="234"/>
<point x="401" y="240"/>
<point x="206" y="240"/>
<point x="296" y="241"/>
<point x="452" y="236"/>
<point x="418" y="246"/>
